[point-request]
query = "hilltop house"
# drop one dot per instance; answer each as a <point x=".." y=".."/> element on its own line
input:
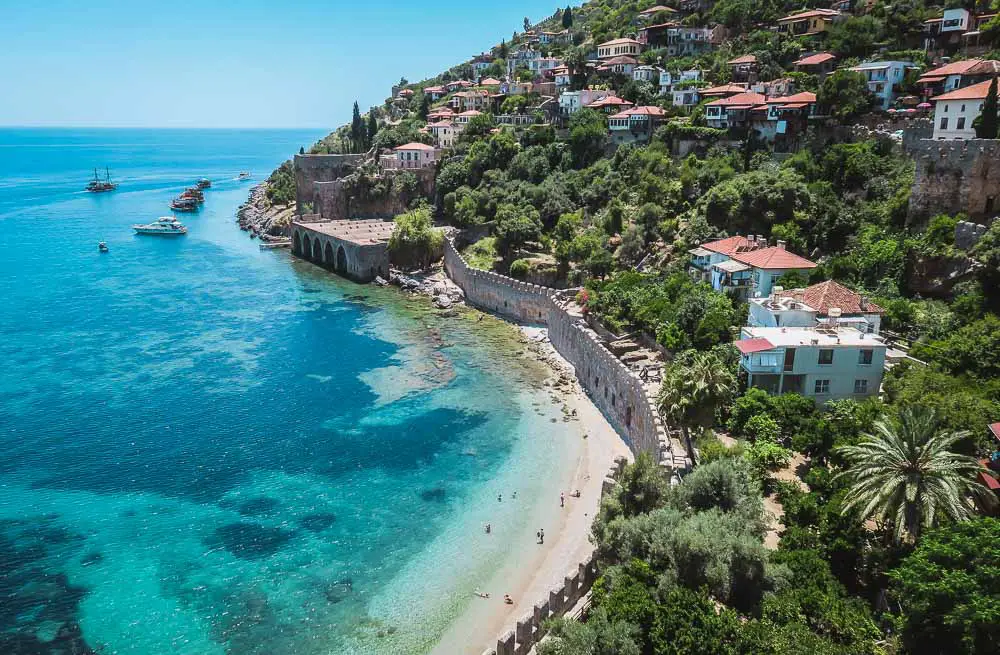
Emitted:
<point x="610" y="105"/>
<point x="621" y="65"/>
<point x="783" y="119"/>
<point x="743" y="69"/>
<point x="689" y="41"/>
<point x="443" y="133"/>
<point x="466" y="100"/>
<point x="647" y="74"/>
<point x="521" y="58"/>
<point x="821" y="64"/>
<point x="955" y="111"/>
<point x="461" y="120"/>
<point x="571" y="102"/>
<point x="656" y="36"/>
<point x="562" y="77"/>
<point x="808" y="23"/>
<point x="411" y="155"/>
<point x="957" y="75"/>
<point x="813" y="305"/>
<point x="546" y="38"/>
<point x="435" y="92"/>
<point x="458" y="85"/>
<point x="745" y="266"/>
<point x="653" y="12"/>
<point x="827" y="362"/>
<point x="619" y="47"/>
<point x="635" y="125"/>
<point x="732" y="111"/>
<point x="669" y="79"/>
<point x="956" y="29"/>
<point x="884" y="78"/>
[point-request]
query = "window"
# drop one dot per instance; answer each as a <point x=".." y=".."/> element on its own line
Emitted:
<point x="826" y="356"/>
<point x="960" y="124"/>
<point x="962" y="110"/>
<point x="946" y="106"/>
<point x="944" y="123"/>
<point x="861" y="386"/>
<point x="865" y="356"/>
<point x="822" y="387"/>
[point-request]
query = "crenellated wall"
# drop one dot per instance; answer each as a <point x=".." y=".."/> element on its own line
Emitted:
<point x="955" y="176"/>
<point x="311" y="169"/>
<point x="616" y="390"/>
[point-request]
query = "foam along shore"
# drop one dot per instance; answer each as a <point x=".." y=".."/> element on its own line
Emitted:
<point x="530" y="570"/>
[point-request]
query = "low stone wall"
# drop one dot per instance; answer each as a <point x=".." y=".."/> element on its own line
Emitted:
<point x="615" y="389"/>
<point x="528" y="630"/>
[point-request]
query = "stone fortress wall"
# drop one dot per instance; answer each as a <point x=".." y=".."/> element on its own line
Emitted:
<point x="616" y="390"/>
<point x="955" y="176"/>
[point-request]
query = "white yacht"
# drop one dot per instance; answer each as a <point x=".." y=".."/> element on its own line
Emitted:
<point x="163" y="226"/>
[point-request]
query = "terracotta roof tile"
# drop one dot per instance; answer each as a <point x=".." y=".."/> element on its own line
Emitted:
<point x="974" y="92"/>
<point x="748" y="98"/>
<point x="415" y="146"/>
<point x="815" y="60"/>
<point x="815" y="13"/>
<point x="745" y="59"/>
<point x="773" y="258"/>
<point x="825" y="295"/>
<point x="727" y="246"/>
<point x="747" y="346"/>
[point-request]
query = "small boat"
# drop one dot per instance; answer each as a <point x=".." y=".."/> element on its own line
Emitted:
<point x="195" y="193"/>
<point x="204" y="183"/>
<point x="103" y="247"/>
<point x="244" y="175"/>
<point x="98" y="185"/>
<point x="163" y="226"/>
<point x="183" y="204"/>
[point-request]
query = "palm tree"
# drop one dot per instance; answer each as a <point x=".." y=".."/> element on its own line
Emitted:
<point x="691" y="391"/>
<point x="906" y="475"/>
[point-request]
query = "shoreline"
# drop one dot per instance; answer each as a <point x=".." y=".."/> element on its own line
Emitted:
<point x="531" y="570"/>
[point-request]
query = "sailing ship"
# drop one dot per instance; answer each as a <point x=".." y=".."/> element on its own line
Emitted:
<point x="98" y="185"/>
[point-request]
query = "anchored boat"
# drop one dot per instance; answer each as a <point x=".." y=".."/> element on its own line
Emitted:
<point x="164" y="226"/>
<point x="98" y="185"/>
<point x="204" y="183"/>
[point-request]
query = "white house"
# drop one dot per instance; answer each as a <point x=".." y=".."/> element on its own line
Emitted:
<point x="884" y="78"/>
<point x="619" y="47"/>
<point x="745" y="266"/>
<point x="955" y="111"/>
<point x="562" y="77"/>
<point x="668" y="79"/>
<point x="635" y="125"/>
<point x="828" y="362"/>
<point x="571" y="102"/>
<point x="734" y="110"/>
<point x="443" y="133"/>
<point x="411" y="155"/>
<point x="646" y="74"/>
<point x="814" y="305"/>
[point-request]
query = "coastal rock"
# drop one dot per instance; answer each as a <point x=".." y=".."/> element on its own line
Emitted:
<point x="442" y="302"/>
<point x="262" y="219"/>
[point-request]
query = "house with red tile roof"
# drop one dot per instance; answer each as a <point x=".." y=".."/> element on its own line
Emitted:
<point x="955" y="111"/>
<point x="621" y="65"/>
<point x="733" y="110"/>
<point x="809" y="23"/>
<point x="745" y="266"/>
<point x="743" y="69"/>
<point x="652" y="12"/>
<point x="816" y="305"/>
<point x="821" y="64"/>
<point x="635" y="125"/>
<point x="410" y="155"/>
<point x="435" y="92"/>
<point x="610" y="104"/>
<point x="443" y="132"/>
<point x="957" y="74"/>
<point x="619" y="47"/>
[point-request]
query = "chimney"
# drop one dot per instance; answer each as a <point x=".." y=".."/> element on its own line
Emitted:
<point x="781" y="244"/>
<point x="863" y="303"/>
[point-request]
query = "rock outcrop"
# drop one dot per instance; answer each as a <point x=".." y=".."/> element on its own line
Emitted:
<point x="262" y="219"/>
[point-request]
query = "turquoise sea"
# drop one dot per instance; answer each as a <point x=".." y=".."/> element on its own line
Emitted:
<point x="207" y="448"/>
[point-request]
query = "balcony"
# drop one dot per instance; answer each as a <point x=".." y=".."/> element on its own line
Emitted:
<point x="769" y="361"/>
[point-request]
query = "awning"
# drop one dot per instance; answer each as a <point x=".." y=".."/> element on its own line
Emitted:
<point x="794" y="105"/>
<point x="931" y="78"/>
<point x="989" y="481"/>
<point x="747" y="346"/>
<point x="995" y="429"/>
<point x="700" y="252"/>
<point x="731" y="266"/>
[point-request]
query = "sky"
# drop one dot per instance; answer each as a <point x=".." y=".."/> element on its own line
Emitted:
<point x="184" y="63"/>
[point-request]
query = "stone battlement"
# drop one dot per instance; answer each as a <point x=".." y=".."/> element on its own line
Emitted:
<point x="955" y="176"/>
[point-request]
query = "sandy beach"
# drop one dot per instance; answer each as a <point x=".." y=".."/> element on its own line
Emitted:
<point x="532" y="569"/>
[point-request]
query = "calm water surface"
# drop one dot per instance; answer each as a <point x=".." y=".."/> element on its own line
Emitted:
<point x="206" y="448"/>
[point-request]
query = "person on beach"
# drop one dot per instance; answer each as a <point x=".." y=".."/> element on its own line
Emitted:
<point x="499" y="498"/>
<point x="482" y="594"/>
<point x="513" y="496"/>
<point x="507" y="599"/>
<point x="562" y="499"/>
<point x="488" y="528"/>
<point x="541" y="536"/>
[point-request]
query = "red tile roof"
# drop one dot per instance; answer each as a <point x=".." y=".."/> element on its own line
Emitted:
<point x="974" y="92"/>
<point x="825" y="295"/>
<point x="815" y="60"/>
<point x="727" y="246"/>
<point x="609" y="101"/>
<point x="804" y="97"/>
<point x="725" y="89"/>
<point x="414" y="146"/>
<point x="964" y="67"/>
<point x="745" y="59"/>
<point x="773" y="258"/>
<point x="655" y="10"/>
<point x="490" y="81"/>
<point x="747" y="98"/>
<point x="815" y="13"/>
<point x="989" y="481"/>
<point x="641" y="111"/>
<point x="747" y="346"/>
<point x="433" y="89"/>
<point x="620" y="59"/>
<point x="995" y="429"/>
<point x="619" y="42"/>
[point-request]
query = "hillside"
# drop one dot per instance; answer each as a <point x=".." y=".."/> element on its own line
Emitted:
<point x="717" y="178"/>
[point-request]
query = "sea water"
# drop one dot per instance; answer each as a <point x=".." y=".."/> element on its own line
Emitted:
<point x="207" y="448"/>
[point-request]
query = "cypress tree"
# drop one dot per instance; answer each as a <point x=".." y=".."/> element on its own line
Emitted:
<point x="372" y="127"/>
<point x="425" y="106"/>
<point x="503" y="49"/>
<point x="567" y="17"/>
<point x="987" y="128"/>
<point x="357" y="129"/>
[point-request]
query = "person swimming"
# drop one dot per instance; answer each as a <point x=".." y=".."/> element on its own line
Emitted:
<point x="507" y="599"/>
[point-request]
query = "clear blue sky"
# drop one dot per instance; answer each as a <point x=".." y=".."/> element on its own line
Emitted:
<point x="185" y="63"/>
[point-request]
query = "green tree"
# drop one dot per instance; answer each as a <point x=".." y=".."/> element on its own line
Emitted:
<point x="372" y="126"/>
<point x="588" y="136"/>
<point x="515" y="226"/>
<point x="598" y="636"/>
<point x="906" y="477"/>
<point x="567" y="17"/>
<point x="358" y="131"/>
<point x="425" y="106"/>
<point x="692" y="390"/>
<point x="503" y="49"/>
<point x="948" y="590"/>
<point x="986" y="127"/>
<point x="845" y="95"/>
<point x="415" y="241"/>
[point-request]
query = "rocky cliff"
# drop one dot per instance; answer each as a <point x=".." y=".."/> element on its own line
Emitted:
<point x="259" y="217"/>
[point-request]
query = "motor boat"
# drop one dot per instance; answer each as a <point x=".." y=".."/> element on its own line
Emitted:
<point x="102" y="247"/>
<point x="204" y="183"/>
<point x="244" y="175"/>
<point x="183" y="204"/>
<point x="163" y="226"/>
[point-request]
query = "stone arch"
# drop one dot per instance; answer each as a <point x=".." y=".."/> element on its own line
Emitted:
<point x="296" y="244"/>
<point x="317" y="253"/>
<point x="307" y="246"/>
<point x="628" y="416"/>
<point x="341" y="260"/>
<point x="328" y="254"/>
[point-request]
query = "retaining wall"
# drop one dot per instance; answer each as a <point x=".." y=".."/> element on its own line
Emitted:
<point x="615" y="389"/>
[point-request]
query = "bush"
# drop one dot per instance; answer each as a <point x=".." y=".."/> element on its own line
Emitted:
<point x="519" y="268"/>
<point x="415" y="242"/>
